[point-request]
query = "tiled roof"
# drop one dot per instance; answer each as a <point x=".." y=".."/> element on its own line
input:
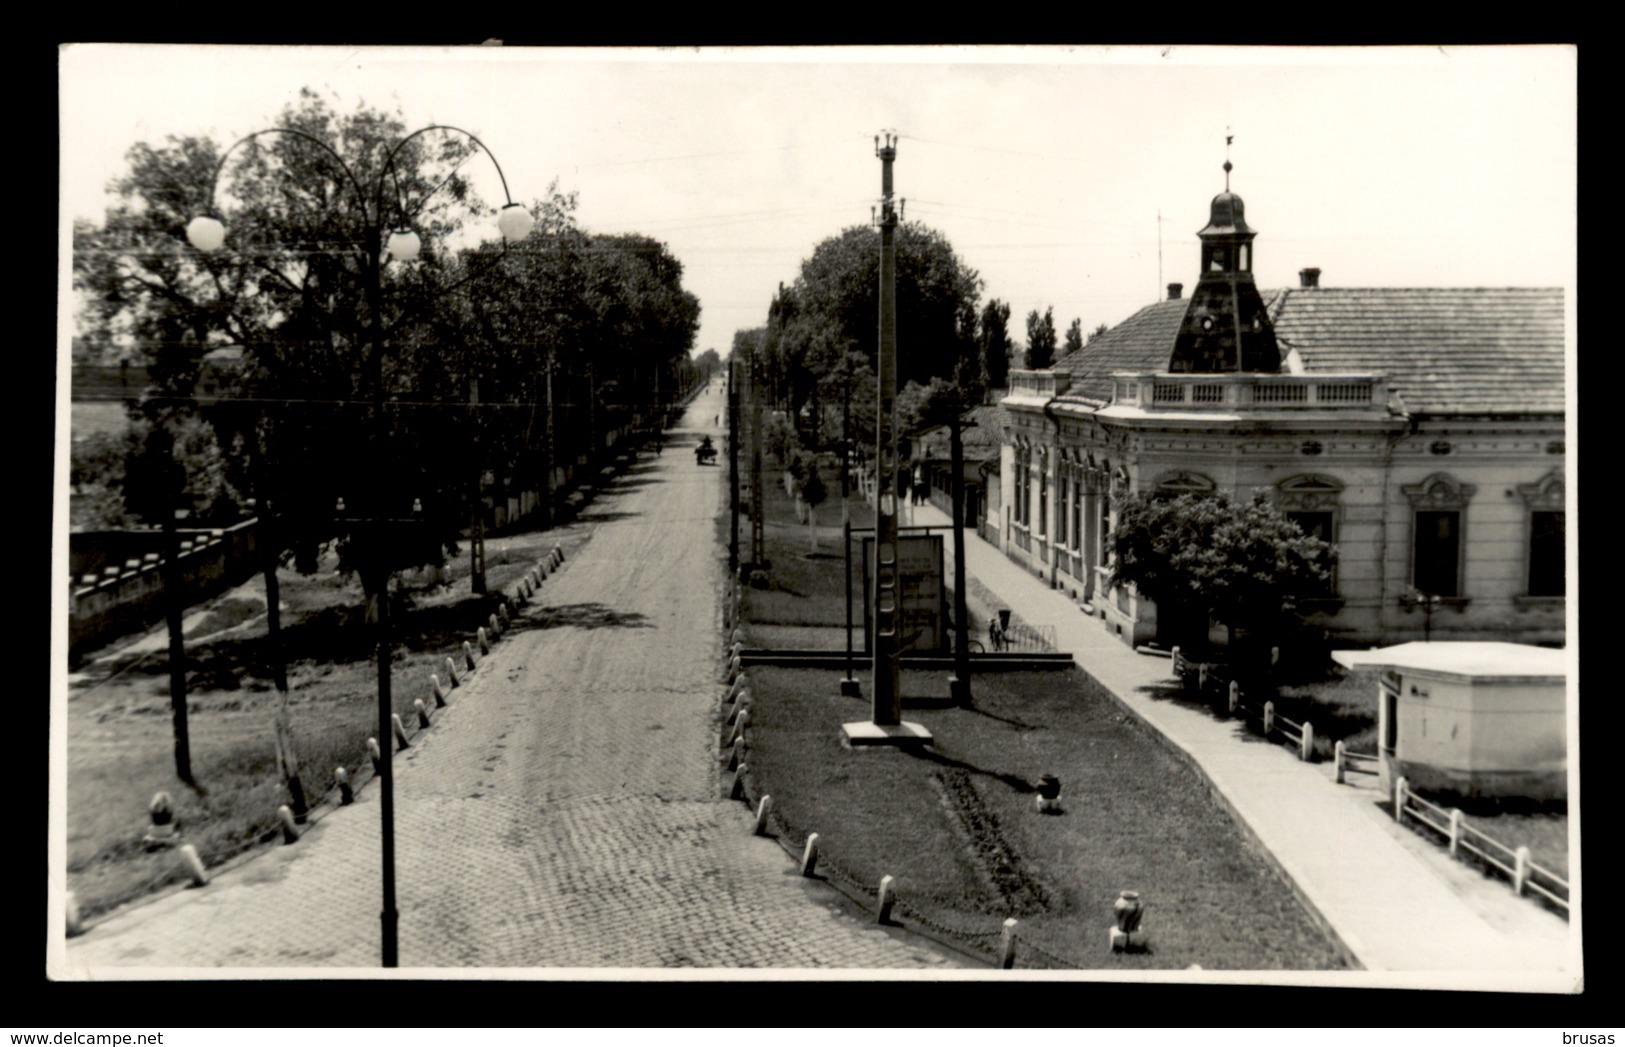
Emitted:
<point x="1444" y="350"/>
<point x="980" y="440"/>
<point x="1141" y="344"/>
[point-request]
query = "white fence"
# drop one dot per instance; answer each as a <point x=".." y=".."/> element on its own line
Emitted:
<point x="1512" y="862"/>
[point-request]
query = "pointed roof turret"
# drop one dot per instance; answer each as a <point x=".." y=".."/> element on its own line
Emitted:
<point x="1226" y="327"/>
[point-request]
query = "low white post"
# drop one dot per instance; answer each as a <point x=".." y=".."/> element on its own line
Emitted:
<point x="504" y="615"/>
<point x="1007" y="944"/>
<point x="1275" y="656"/>
<point x="439" y="691"/>
<point x="451" y="672"/>
<point x="1401" y="787"/>
<point x="1177" y="666"/>
<point x="400" y="731"/>
<point x="193" y="865"/>
<point x="346" y="791"/>
<point x="1520" y="870"/>
<point x="290" y="832"/>
<point x="809" y="855"/>
<point x="423" y="712"/>
<point x="1455" y="832"/>
<point x="485" y="642"/>
<point x="70" y="915"/>
<point x="377" y="755"/>
<point x="1234" y="698"/>
<point x="1337" y="761"/>
<point x="1307" y="748"/>
<point x="886" y="900"/>
<point x="763" y="809"/>
<point x="737" y="790"/>
<point x="740" y="705"/>
<point x="496" y="628"/>
<point x="1201" y="677"/>
<point x="1269" y="718"/>
<point x="468" y="655"/>
<point x="739" y="724"/>
<point x="735" y="753"/>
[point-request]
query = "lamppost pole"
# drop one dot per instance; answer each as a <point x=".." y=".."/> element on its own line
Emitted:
<point x="885" y="725"/>
<point x="888" y="710"/>
<point x="207" y="233"/>
<point x="849" y="684"/>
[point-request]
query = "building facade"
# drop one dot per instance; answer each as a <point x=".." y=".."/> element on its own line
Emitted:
<point x="1420" y="430"/>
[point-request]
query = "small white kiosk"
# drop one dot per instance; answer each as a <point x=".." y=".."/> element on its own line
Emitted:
<point x="1471" y="718"/>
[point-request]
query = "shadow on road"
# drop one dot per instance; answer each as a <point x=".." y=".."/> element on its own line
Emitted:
<point x="581" y="616"/>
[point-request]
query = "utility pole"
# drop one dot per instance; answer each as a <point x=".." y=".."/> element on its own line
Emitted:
<point x="733" y="471"/>
<point x="959" y="682"/>
<point x="476" y="524"/>
<point x="849" y="683"/>
<point x="886" y="726"/>
<point x="757" y="536"/>
<point x="174" y="606"/>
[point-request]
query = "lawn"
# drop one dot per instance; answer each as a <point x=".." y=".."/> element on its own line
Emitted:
<point x="120" y="739"/>
<point x="956" y="825"/>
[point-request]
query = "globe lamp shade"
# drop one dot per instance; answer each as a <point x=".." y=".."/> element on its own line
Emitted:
<point x="515" y="223"/>
<point x="404" y="245"/>
<point x="206" y="233"/>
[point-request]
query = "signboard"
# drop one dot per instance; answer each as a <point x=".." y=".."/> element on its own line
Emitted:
<point x="922" y="624"/>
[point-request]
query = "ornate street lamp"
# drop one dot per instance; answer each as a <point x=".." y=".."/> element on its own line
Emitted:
<point x="207" y="233"/>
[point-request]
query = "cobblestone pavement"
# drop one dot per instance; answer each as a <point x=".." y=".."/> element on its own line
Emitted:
<point x="566" y="809"/>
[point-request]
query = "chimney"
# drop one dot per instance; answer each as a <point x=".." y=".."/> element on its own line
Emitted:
<point x="1309" y="277"/>
<point x="1174" y="291"/>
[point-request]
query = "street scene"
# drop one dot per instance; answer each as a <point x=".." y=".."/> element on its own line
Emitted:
<point x="464" y="575"/>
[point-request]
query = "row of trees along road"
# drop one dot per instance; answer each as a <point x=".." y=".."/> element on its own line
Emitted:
<point x="515" y="361"/>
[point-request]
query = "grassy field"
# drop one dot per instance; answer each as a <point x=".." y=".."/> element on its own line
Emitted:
<point x="120" y="739"/>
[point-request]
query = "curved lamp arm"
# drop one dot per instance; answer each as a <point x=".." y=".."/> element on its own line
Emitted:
<point x="208" y="233"/>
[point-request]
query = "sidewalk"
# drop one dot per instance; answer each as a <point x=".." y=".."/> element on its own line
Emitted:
<point x="1397" y="902"/>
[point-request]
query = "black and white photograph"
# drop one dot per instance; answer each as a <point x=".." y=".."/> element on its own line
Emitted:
<point x="1115" y="528"/>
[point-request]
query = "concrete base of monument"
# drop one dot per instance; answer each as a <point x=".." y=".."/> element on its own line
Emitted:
<point x="865" y="732"/>
<point x="850" y="688"/>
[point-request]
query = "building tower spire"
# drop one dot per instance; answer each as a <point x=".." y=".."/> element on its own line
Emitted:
<point x="1226" y="327"/>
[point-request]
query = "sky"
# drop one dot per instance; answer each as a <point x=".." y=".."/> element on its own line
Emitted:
<point x="1073" y="178"/>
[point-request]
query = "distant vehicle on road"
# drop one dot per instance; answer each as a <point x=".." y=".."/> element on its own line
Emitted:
<point x="706" y="452"/>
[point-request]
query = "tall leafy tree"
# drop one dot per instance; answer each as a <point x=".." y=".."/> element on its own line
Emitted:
<point x="1197" y="556"/>
<point x="1074" y="338"/>
<point x="290" y="290"/>
<point x="1040" y="339"/>
<point x="993" y="339"/>
<point x="833" y="306"/>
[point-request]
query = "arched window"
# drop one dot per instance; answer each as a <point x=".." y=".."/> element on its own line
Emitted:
<point x="1438" y="545"/>
<point x="1313" y="502"/>
<point x="1181" y="481"/>
<point x="1546" y="528"/>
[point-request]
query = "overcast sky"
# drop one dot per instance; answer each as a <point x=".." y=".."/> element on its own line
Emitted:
<point x="1046" y="168"/>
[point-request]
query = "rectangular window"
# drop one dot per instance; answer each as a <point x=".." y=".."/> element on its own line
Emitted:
<point x="1546" y="566"/>
<point x="1043" y="501"/>
<point x="1105" y="549"/>
<point x="1077" y="515"/>
<point x="1060" y="517"/>
<point x="1316" y="525"/>
<point x="1436" y="569"/>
